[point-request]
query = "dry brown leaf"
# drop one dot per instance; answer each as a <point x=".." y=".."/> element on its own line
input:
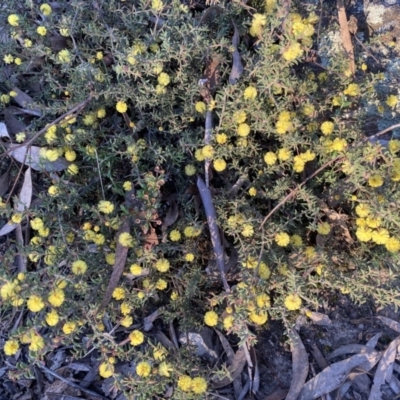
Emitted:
<point x="335" y="375"/>
<point x="345" y="35"/>
<point x="384" y="371"/>
<point x="300" y="365"/>
<point x="239" y="361"/>
<point x="390" y="323"/>
<point x="150" y="239"/>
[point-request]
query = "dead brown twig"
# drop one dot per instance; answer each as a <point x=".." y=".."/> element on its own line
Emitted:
<point x="345" y="35"/>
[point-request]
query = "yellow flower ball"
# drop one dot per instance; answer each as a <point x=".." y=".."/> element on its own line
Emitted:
<point x="136" y="269"/>
<point x="323" y="228"/>
<point x="282" y="239"/>
<point x="240" y="116"/>
<point x="363" y="210"/>
<point x="11" y="347"/>
<point x="296" y="240"/>
<point x="352" y="90"/>
<point x="121" y="106"/>
<point x="270" y="158"/>
<point x="190" y="170"/>
<point x="219" y="164"/>
<point x="199" y="385"/>
<point x="125" y="239"/>
<point x="162" y="265"/>
<point x="37" y="343"/>
<point x="70" y="155"/>
<point x="52" y="318"/>
<point x="211" y="318"/>
<point x="106" y="370"/>
<point x="375" y="180"/>
<point x="119" y="293"/>
<point x="143" y="369"/>
<point x="391" y="101"/>
<point x="250" y="93"/>
<point x="163" y="79"/>
<point x="105" y="207"/>
<point x="247" y="230"/>
<point x="175" y="235"/>
<point x="207" y="151"/>
<point x="185" y="383"/>
<point x="258" y="319"/>
<point x="221" y="138"/>
<point x="292" y="302"/>
<point x="200" y="107"/>
<point x="136" y="337"/>
<point x="79" y="267"/>
<point x="13" y="19"/>
<point x="392" y="245"/>
<point x="46" y="9"/>
<point x="243" y="130"/>
<point x="56" y="297"/>
<point x="69" y="327"/>
<point x="327" y="127"/>
<point x="35" y="303"/>
<point x="41" y="30"/>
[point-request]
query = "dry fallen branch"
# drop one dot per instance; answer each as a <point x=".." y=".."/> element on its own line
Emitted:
<point x="121" y="254"/>
<point x="345" y="35"/>
<point x="211" y="214"/>
<point x="237" y="65"/>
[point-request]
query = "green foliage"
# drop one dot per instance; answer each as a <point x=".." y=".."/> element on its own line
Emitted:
<point x="292" y="154"/>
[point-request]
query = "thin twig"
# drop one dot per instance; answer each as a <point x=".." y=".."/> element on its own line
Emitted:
<point x="76" y="386"/>
<point x="98" y="169"/>
<point x="211" y="214"/>
<point x="207" y="141"/>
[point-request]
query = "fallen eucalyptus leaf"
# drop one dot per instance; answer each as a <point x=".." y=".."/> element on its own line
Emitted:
<point x="300" y="365"/>
<point x="319" y="318"/>
<point x="14" y="125"/>
<point x="25" y="196"/>
<point x="349" y="349"/>
<point x="335" y="375"/>
<point x="34" y="160"/>
<point x="384" y="370"/>
<point x="4" y="183"/>
<point x="235" y="370"/>
<point x="374" y="340"/>
<point x="24" y="100"/>
<point x="390" y="323"/>
<point x="148" y="321"/>
<point x="3" y="130"/>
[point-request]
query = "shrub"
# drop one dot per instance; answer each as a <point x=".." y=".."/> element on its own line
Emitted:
<point x="306" y="205"/>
